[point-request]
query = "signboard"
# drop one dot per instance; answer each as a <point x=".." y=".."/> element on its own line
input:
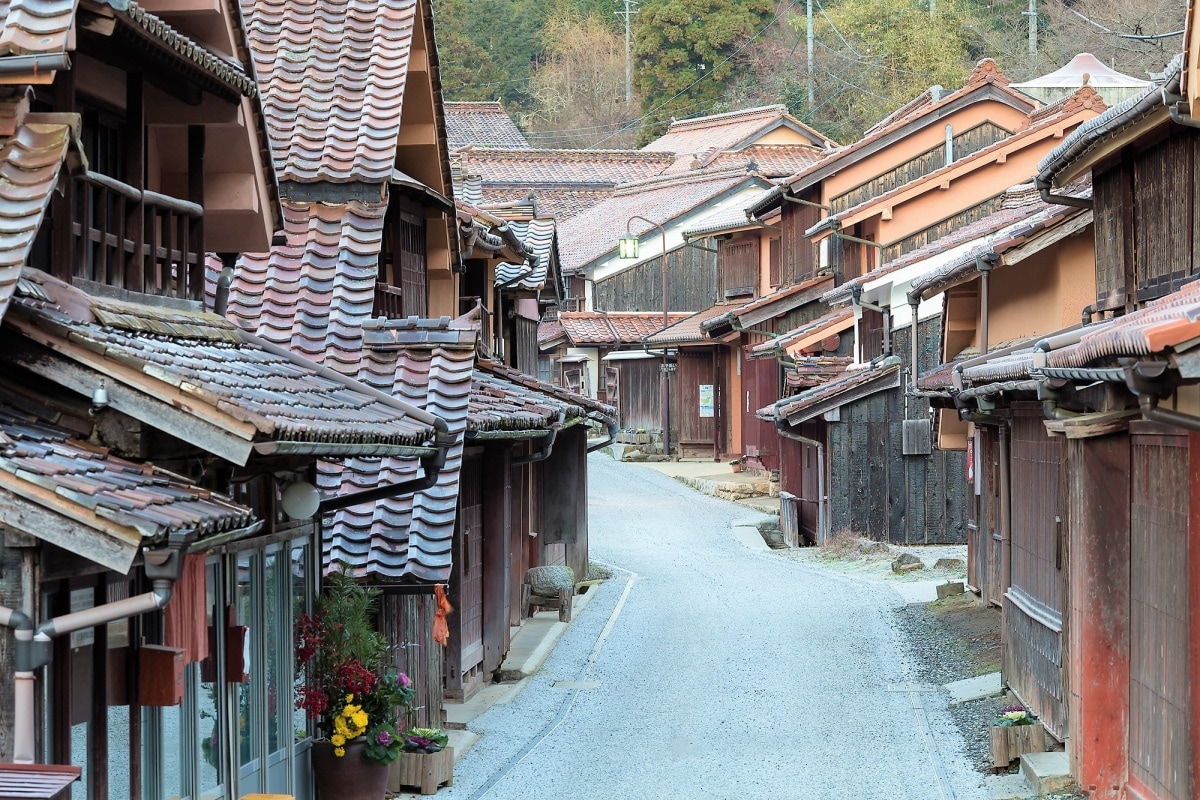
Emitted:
<point x="706" y="400"/>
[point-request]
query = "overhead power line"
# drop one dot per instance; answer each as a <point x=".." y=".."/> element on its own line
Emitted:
<point x="1138" y="37"/>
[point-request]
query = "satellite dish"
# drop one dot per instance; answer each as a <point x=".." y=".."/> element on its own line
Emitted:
<point x="300" y="500"/>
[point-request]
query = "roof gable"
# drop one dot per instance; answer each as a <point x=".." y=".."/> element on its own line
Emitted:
<point x="484" y="124"/>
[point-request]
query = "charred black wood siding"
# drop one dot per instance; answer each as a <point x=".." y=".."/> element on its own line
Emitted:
<point x="877" y="491"/>
<point x="691" y="283"/>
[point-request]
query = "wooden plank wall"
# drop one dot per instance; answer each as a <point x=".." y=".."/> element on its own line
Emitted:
<point x="1159" y="698"/>
<point x="739" y="267"/>
<point x="639" y="386"/>
<point x="943" y="228"/>
<point x="697" y="435"/>
<point x="799" y="257"/>
<point x="1108" y="189"/>
<point x="886" y="495"/>
<point x="1163" y="214"/>
<point x="407" y="620"/>
<point x="691" y="282"/>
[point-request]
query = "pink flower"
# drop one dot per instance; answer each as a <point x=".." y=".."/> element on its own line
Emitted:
<point x="404" y="680"/>
<point x="383" y="738"/>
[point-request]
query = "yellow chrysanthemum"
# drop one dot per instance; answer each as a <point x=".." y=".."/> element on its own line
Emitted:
<point x="339" y="751"/>
<point x="349" y="698"/>
<point x="339" y="726"/>
<point x="359" y="718"/>
<point x="337" y="739"/>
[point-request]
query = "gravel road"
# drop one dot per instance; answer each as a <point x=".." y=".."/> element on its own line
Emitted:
<point x="703" y="669"/>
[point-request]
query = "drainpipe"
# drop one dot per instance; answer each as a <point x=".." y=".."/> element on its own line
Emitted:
<point x="34" y="647"/>
<point x="44" y="62"/>
<point x="1044" y="189"/>
<point x="1005" y="511"/>
<point x="1144" y="380"/>
<point x="224" y="282"/>
<point x="547" y="443"/>
<point x="984" y="263"/>
<point x="612" y="428"/>
<point x="1088" y="312"/>
<point x="431" y="468"/>
<point x="800" y="201"/>
<point x="914" y="303"/>
<point x="822" y="516"/>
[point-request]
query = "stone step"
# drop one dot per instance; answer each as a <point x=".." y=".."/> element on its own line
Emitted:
<point x="1046" y="772"/>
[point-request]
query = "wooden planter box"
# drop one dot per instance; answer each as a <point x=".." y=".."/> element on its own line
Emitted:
<point x="1012" y="741"/>
<point x="425" y="771"/>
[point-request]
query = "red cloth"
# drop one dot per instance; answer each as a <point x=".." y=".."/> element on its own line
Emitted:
<point x="186" y="614"/>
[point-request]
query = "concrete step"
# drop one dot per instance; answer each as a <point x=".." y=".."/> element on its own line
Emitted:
<point x="975" y="688"/>
<point x="1046" y="772"/>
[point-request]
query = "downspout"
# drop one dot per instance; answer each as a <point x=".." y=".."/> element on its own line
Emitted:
<point x="612" y="428"/>
<point x="431" y="468"/>
<point x="822" y="516"/>
<point x="1048" y="396"/>
<point x="914" y="303"/>
<point x="984" y="263"/>
<point x="800" y="201"/>
<point x="224" y="282"/>
<point x="1005" y="511"/>
<point x="547" y="443"/>
<point x="1044" y="189"/>
<point x="34" y="647"/>
<point x="1145" y="382"/>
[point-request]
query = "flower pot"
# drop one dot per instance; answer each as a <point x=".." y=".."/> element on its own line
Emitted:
<point x="426" y="771"/>
<point x="1012" y="741"/>
<point x="350" y="775"/>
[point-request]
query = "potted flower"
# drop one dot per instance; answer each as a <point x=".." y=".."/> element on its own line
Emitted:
<point x="425" y="760"/>
<point x="1015" y="731"/>
<point x="347" y="688"/>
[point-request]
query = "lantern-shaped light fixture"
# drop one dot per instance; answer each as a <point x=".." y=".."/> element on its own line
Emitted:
<point x="629" y="246"/>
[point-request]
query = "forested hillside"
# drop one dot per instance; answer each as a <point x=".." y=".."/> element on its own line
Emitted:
<point x="559" y="66"/>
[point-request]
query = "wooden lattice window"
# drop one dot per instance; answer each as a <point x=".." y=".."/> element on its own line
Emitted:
<point x="401" y="289"/>
<point x="739" y="268"/>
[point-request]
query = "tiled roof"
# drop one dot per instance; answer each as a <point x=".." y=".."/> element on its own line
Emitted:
<point x="770" y="160"/>
<point x="549" y="331"/>
<point x="538" y="237"/>
<point x="31" y="159"/>
<point x="1007" y="367"/>
<point x="546" y="168"/>
<point x="612" y="327"/>
<point x="333" y="75"/>
<point x="772" y="305"/>
<point x="848" y="387"/>
<point x="202" y="366"/>
<point x="481" y="124"/>
<point x="1044" y="123"/>
<point x="808" y="334"/>
<point x="560" y="203"/>
<point x="939" y="378"/>
<point x="688" y="329"/>
<point x="220" y="67"/>
<point x="701" y="136"/>
<point x="1158" y="328"/>
<point x="313" y="294"/>
<point x="1019" y="205"/>
<point x="593" y="233"/>
<point x="127" y="504"/>
<point x="503" y="398"/>
<point x="428" y="363"/>
<point x="808" y="371"/>
<point x="986" y="79"/>
<point x="1003" y="240"/>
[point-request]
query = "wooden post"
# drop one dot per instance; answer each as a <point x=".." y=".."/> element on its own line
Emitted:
<point x="135" y="176"/>
<point x="496" y="556"/>
<point x="1098" y="613"/>
<point x="1194" y="602"/>
<point x="190" y="277"/>
<point x="62" y="205"/>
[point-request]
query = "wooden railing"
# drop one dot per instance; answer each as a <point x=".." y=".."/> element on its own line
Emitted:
<point x="135" y="239"/>
<point x="389" y="302"/>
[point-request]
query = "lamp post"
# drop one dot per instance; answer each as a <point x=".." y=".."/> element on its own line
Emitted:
<point x="629" y="249"/>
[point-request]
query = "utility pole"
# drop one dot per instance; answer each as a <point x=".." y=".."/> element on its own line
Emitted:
<point x="1032" y="14"/>
<point x="812" y="94"/>
<point x="630" y="9"/>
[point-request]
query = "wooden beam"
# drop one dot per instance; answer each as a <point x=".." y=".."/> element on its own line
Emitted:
<point x="1085" y="426"/>
<point x="161" y="407"/>
<point x="99" y="540"/>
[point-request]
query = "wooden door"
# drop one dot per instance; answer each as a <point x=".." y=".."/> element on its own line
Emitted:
<point x="697" y="405"/>
<point x="1160" y="754"/>
<point x="612" y="387"/>
<point x="760" y="379"/>
<point x="1034" y="602"/>
<point x="464" y="673"/>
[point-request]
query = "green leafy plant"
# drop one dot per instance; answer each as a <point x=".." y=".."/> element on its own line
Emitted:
<point x="1010" y="716"/>
<point x="424" y="740"/>
<point x="346" y="685"/>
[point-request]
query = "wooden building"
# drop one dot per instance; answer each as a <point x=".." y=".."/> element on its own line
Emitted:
<point x="1105" y="548"/>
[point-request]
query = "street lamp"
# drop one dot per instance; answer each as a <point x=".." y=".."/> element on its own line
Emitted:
<point x="628" y="246"/>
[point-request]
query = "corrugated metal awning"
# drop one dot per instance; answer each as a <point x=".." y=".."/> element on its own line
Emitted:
<point x="628" y="355"/>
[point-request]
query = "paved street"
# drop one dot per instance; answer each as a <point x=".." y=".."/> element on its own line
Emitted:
<point x="703" y="669"/>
